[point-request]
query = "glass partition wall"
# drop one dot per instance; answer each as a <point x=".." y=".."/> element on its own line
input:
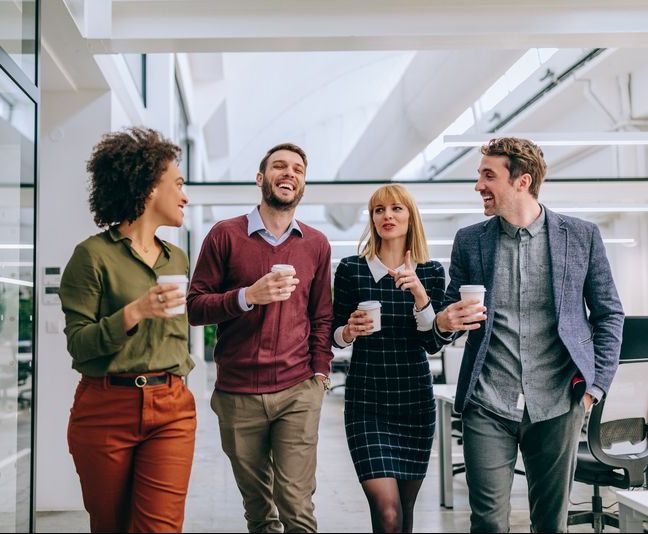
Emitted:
<point x="18" y="126"/>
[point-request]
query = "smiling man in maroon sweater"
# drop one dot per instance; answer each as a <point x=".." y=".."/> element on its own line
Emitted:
<point x="273" y="351"/>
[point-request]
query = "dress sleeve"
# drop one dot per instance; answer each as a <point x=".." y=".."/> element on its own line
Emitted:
<point x="344" y="295"/>
<point x="435" y="288"/>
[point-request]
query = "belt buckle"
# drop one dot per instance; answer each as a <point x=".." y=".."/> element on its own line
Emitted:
<point x="141" y="381"/>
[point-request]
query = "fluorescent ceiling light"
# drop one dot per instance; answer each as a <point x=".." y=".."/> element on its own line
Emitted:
<point x="449" y="211"/>
<point x="354" y="243"/>
<point x="16" y="263"/>
<point x="443" y="211"/>
<point x="629" y="242"/>
<point x="343" y="243"/>
<point x="553" y="139"/>
<point x="335" y="261"/>
<point x="9" y="246"/>
<point x="568" y="209"/>
<point x="602" y="209"/>
<point x="15" y="282"/>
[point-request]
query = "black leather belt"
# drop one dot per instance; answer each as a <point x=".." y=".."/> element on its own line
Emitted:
<point x="137" y="381"/>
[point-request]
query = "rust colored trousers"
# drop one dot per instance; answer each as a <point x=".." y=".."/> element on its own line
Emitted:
<point x="133" y="449"/>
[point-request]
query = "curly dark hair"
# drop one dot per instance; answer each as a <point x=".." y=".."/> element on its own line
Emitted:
<point x="124" y="168"/>
<point x="523" y="156"/>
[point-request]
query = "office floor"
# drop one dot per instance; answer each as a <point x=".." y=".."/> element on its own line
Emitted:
<point x="214" y="503"/>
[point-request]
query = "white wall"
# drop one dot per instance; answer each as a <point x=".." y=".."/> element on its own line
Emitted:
<point x="72" y="122"/>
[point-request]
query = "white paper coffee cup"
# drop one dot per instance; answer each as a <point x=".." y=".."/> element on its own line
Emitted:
<point x="283" y="268"/>
<point x="181" y="281"/>
<point x="472" y="293"/>
<point x="373" y="308"/>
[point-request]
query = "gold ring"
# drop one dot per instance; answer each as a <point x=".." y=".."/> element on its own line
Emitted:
<point x="161" y="298"/>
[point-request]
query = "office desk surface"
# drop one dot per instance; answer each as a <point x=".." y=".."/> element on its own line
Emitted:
<point x="633" y="510"/>
<point x="637" y="500"/>
<point x="445" y="392"/>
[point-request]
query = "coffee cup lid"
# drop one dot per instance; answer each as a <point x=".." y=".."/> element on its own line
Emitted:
<point x="172" y="279"/>
<point x="474" y="289"/>
<point x="369" y="305"/>
<point x="280" y="267"/>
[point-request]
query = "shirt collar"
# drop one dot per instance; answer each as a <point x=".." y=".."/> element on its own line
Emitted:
<point x="255" y="224"/>
<point x="378" y="269"/>
<point x="116" y="236"/>
<point x="512" y="230"/>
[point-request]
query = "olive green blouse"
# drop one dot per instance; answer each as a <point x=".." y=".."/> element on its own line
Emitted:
<point x="103" y="275"/>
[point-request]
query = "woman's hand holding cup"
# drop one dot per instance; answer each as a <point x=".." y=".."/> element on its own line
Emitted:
<point x="359" y="324"/>
<point x="155" y="303"/>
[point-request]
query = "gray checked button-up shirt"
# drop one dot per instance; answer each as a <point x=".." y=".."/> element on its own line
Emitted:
<point x="525" y="355"/>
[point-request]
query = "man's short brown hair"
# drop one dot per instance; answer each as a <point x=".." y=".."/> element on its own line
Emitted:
<point x="523" y="157"/>
<point x="283" y="146"/>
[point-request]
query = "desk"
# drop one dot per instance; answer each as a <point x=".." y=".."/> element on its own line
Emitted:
<point x="633" y="510"/>
<point x="445" y="395"/>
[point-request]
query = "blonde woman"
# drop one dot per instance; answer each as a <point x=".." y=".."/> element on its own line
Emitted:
<point x="389" y="407"/>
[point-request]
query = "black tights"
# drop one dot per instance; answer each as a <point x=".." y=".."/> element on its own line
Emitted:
<point x="391" y="502"/>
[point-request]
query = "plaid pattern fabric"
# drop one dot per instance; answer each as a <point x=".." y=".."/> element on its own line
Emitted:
<point x="389" y="406"/>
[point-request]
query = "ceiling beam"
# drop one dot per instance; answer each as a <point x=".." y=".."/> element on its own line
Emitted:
<point x="149" y="26"/>
<point x="442" y="194"/>
<point x="67" y="62"/>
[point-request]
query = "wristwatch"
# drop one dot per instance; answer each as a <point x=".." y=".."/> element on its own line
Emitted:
<point x="326" y="383"/>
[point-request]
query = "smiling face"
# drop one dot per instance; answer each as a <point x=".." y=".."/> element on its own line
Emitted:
<point x="167" y="200"/>
<point x="501" y="195"/>
<point x="282" y="184"/>
<point x="391" y="220"/>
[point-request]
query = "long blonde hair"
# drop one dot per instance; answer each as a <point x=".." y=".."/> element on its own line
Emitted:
<point x="415" y="240"/>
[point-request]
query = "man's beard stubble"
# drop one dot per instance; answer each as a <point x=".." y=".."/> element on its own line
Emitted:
<point x="274" y="201"/>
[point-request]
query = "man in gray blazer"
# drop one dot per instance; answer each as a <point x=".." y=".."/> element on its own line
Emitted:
<point x="549" y="346"/>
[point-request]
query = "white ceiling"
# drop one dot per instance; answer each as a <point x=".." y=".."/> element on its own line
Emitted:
<point x="365" y="86"/>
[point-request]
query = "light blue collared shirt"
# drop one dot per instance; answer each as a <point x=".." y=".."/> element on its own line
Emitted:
<point x="255" y="224"/>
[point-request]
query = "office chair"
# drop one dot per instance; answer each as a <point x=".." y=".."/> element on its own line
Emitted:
<point x="616" y="451"/>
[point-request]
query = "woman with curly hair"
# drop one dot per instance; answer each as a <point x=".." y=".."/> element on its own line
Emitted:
<point x="132" y="425"/>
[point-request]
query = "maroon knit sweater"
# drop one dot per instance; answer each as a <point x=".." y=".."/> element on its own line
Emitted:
<point x="275" y="346"/>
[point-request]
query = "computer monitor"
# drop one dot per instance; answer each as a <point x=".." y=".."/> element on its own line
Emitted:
<point x="635" y="339"/>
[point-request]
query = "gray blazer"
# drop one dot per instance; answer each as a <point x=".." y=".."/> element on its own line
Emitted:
<point x="581" y="277"/>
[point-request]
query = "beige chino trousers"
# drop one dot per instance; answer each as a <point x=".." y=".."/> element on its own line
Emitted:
<point x="271" y="441"/>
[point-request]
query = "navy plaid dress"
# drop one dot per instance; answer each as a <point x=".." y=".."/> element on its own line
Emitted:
<point x="389" y="409"/>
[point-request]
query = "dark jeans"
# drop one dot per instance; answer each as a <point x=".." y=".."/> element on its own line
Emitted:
<point x="549" y="452"/>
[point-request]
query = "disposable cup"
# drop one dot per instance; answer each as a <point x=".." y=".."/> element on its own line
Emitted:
<point x="181" y="281"/>
<point x="283" y="268"/>
<point x="472" y="293"/>
<point x="373" y="308"/>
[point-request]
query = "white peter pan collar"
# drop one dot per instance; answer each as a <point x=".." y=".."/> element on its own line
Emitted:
<point x="379" y="270"/>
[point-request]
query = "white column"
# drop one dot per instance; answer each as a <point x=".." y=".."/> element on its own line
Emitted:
<point x="160" y="108"/>
<point x="72" y="122"/>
